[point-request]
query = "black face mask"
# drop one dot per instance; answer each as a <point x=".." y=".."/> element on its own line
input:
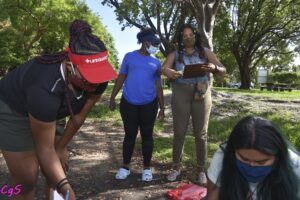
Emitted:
<point x="81" y="84"/>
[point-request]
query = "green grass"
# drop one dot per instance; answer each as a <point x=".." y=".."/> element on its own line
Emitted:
<point x="159" y="126"/>
<point x="218" y="133"/>
<point x="219" y="129"/>
<point x="286" y="96"/>
<point x="101" y="110"/>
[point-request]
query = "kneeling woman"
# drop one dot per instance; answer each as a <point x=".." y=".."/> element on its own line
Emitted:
<point x="255" y="163"/>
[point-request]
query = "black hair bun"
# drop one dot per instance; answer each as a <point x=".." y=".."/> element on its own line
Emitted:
<point x="82" y="41"/>
<point x="79" y="26"/>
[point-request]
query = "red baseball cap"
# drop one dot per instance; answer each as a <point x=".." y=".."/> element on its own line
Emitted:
<point x="94" y="68"/>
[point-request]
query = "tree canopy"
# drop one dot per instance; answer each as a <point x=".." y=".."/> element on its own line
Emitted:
<point x="32" y="27"/>
<point x="258" y="33"/>
<point x="166" y="16"/>
<point x="248" y="34"/>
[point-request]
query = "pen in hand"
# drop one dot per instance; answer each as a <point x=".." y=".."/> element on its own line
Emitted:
<point x="67" y="195"/>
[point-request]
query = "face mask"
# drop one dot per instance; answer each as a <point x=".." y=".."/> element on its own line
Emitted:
<point x="189" y="42"/>
<point x="253" y="174"/>
<point x="152" y="49"/>
<point x="79" y="83"/>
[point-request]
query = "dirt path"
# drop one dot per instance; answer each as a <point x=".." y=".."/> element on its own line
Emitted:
<point x="95" y="159"/>
<point x="97" y="155"/>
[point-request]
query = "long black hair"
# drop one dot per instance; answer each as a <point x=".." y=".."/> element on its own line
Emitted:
<point x="263" y="136"/>
<point x="82" y="42"/>
<point x="198" y="43"/>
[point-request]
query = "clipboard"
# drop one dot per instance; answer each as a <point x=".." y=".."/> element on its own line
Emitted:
<point x="55" y="196"/>
<point x="194" y="70"/>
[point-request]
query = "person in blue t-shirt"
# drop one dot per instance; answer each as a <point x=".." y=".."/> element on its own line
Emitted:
<point x="140" y="74"/>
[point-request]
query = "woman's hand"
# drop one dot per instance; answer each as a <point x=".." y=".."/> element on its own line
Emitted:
<point x="216" y="66"/>
<point x="72" y="195"/>
<point x="112" y="104"/>
<point x="63" y="155"/>
<point x="208" y="67"/>
<point x="171" y="73"/>
<point x="68" y="189"/>
<point x="161" y="114"/>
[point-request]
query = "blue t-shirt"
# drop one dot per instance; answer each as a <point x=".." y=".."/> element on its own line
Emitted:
<point x="142" y="72"/>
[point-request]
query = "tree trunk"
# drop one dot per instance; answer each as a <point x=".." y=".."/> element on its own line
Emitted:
<point x="205" y="13"/>
<point x="244" y="67"/>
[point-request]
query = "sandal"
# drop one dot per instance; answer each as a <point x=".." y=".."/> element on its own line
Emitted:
<point x="122" y="174"/>
<point x="147" y="175"/>
<point x="173" y="175"/>
<point x="202" y="178"/>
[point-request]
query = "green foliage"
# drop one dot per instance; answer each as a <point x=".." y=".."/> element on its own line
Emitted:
<point x="29" y="28"/>
<point x="221" y="81"/>
<point x="286" y="77"/>
<point x="166" y="17"/>
<point x="257" y="33"/>
<point x="222" y="48"/>
<point x="161" y="15"/>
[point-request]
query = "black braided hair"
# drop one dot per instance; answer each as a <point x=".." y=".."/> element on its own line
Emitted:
<point x="198" y="43"/>
<point x="52" y="58"/>
<point x="82" y="42"/>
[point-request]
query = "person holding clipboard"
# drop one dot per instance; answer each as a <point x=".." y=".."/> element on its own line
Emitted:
<point x="191" y="67"/>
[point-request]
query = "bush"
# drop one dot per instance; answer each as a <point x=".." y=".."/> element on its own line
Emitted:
<point x="285" y="77"/>
<point x="221" y="81"/>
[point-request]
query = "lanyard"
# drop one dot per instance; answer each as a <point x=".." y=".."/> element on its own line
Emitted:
<point x="67" y="92"/>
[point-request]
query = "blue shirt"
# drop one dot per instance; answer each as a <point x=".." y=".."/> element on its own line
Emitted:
<point x="191" y="59"/>
<point x="142" y="72"/>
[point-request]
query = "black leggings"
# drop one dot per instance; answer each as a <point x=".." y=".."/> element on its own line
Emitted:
<point x="135" y="117"/>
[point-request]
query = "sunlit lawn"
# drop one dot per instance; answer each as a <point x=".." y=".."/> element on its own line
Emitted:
<point x="218" y="130"/>
<point x="294" y="95"/>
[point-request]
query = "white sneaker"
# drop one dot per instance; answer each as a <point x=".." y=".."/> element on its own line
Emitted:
<point x="147" y="175"/>
<point x="122" y="174"/>
<point x="174" y="175"/>
<point x="202" y="180"/>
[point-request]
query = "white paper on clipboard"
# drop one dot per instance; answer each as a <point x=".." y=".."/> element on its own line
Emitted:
<point x="56" y="196"/>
